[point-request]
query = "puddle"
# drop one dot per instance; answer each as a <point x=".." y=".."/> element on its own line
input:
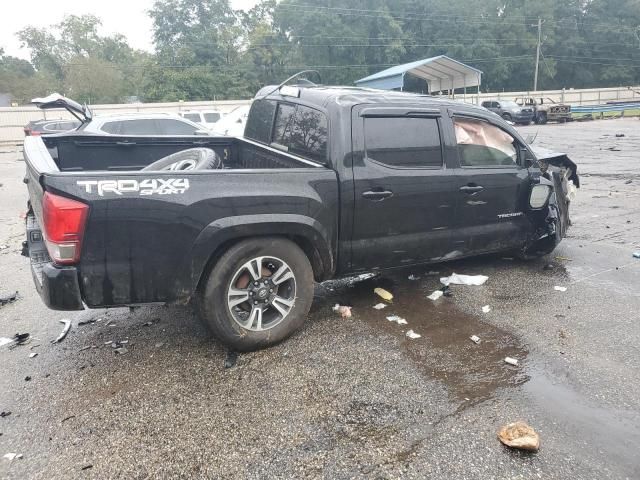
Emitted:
<point x="471" y="372"/>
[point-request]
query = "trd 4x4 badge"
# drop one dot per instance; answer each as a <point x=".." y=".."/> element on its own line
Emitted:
<point x="150" y="186"/>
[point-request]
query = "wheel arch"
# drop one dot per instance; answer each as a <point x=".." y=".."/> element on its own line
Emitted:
<point x="220" y="235"/>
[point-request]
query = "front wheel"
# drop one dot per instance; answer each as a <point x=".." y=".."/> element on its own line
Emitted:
<point x="507" y="117"/>
<point x="258" y="293"/>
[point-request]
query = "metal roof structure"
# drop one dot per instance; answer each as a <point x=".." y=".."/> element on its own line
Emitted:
<point x="441" y="73"/>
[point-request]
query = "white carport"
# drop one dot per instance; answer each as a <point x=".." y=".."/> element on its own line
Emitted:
<point x="441" y="73"/>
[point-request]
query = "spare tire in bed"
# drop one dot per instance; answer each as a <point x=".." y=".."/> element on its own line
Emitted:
<point x="191" y="159"/>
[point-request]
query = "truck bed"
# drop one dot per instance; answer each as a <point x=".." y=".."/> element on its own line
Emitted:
<point x="73" y="153"/>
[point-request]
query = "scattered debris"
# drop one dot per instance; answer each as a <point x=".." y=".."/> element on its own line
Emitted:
<point x="413" y="335"/>
<point x="475" y="339"/>
<point x="65" y="330"/>
<point x="12" y="456"/>
<point x="231" y="359"/>
<point x="342" y="310"/>
<point x="382" y="293"/>
<point x="27" y="378"/>
<point x="549" y="266"/>
<point x="511" y="361"/>
<point x="151" y="322"/>
<point x="464" y="279"/>
<point x="12" y="297"/>
<point x="563" y="259"/>
<point x="446" y="291"/>
<point x="33" y="354"/>
<point x="619" y="135"/>
<point x="85" y="348"/>
<point x="5" y="341"/>
<point x="614" y="149"/>
<point x="380" y="306"/>
<point x="159" y="344"/>
<point x="628" y="182"/>
<point x="560" y="289"/>
<point x="107" y="323"/>
<point x="4" y="414"/>
<point x="120" y="350"/>
<point x="413" y="277"/>
<point x="636" y="254"/>
<point x="365" y="276"/>
<point x="87" y="322"/>
<point x="68" y="418"/>
<point x="486" y="309"/>
<point x="519" y="435"/>
<point x="397" y="319"/>
<point x="86" y="467"/>
<point x="432" y="273"/>
<point x="17" y="339"/>
<point x="435" y="295"/>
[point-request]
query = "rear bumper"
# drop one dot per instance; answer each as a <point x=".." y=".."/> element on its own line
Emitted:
<point x="58" y="286"/>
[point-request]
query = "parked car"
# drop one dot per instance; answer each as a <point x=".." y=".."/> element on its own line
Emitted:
<point x="232" y="124"/>
<point x="206" y="118"/>
<point x="326" y="182"/>
<point x="49" y="127"/>
<point x="510" y="111"/>
<point x="546" y="109"/>
<point x="152" y="124"/>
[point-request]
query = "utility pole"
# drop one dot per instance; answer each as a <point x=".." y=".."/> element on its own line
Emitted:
<point x="535" y="78"/>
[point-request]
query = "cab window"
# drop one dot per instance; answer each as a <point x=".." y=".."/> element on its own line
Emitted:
<point x="481" y="144"/>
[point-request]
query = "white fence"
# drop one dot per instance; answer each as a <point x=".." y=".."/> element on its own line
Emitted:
<point x="13" y="119"/>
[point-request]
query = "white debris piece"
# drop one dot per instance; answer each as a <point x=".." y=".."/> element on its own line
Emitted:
<point x="5" y="341"/>
<point x="384" y="294"/>
<point x="65" y="330"/>
<point x="435" y="295"/>
<point x="486" y="309"/>
<point x="397" y="319"/>
<point x="413" y="335"/>
<point x="379" y="306"/>
<point x="342" y="310"/>
<point x="560" y="289"/>
<point x="413" y="277"/>
<point x="34" y="354"/>
<point x="511" y="361"/>
<point x="12" y="456"/>
<point x="474" y="339"/>
<point x="463" y="279"/>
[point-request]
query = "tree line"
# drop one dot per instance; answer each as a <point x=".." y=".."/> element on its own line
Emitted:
<point x="204" y="50"/>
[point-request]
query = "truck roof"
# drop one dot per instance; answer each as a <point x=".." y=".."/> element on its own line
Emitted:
<point x="322" y="96"/>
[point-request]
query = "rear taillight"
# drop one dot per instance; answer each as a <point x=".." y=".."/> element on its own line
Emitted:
<point x="64" y="222"/>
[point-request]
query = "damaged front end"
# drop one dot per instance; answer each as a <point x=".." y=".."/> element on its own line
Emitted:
<point x="551" y="194"/>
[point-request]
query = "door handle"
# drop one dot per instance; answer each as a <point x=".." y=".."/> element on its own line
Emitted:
<point x="471" y="189"/>
<point x="126" y="144"/>
<point x="377" y="195"/>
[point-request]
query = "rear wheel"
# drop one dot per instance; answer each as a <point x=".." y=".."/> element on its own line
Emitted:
<point x="507" y="116"/>
<point x="258" y="293"/>
<point x="541" y="118"/>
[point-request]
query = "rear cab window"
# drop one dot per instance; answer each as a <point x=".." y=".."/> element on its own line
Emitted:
<point x="482" y="144"/>
<point x="293" y="128"/>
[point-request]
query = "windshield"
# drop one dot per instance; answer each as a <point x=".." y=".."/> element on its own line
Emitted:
<point x="509" y="104"/>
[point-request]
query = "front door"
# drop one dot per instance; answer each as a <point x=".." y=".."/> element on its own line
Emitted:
<point x="493" y="187"/>
<point x="404" y="192"/>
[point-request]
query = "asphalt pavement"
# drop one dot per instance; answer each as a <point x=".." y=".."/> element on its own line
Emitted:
<point x="352" y="397"/>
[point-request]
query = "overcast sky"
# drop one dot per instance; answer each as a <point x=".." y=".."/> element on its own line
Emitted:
<point x="127" y="17"/>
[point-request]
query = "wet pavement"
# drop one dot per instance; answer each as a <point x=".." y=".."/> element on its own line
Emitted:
<point x="353" y="397"/>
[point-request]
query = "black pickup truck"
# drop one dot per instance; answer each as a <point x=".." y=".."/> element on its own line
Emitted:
<point x="327" y="182"/>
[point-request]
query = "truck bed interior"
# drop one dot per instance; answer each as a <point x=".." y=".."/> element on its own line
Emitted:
<point x="74" y="153"/>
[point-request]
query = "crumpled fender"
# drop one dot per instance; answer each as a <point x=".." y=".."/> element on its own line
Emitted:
<point x="547" y="157"/>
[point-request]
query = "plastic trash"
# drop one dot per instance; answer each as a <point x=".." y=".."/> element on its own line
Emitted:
<point x="12" y="456"/>
<point x="519" y="435"/>
<point x="511" y="361"/>
<point x="342" y="310"/>
<point x="475" y="339"/>
<point x="560" y="289"/>
<point x="486" y="309"/>
<point x="379" y="306"/>
<point x="5" y="341"/>
<point x="463" y="279"/>
<point x="8" y="298"/>
<point x="397" y="319"/>
<point x="636" y="254"/>
<point x="65" y="330"/>
<point x="435" y="295"/>
<point x="413" y="277"/>
<point x="382" y="293"/>
<point x="33" y="355"/>
<point x="413" y="335"/>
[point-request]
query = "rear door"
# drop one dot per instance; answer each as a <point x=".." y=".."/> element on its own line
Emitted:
<point x="492" y="185"/>
<point x="404" y="192"/>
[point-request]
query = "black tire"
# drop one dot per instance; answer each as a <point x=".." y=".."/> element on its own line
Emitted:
<point x="190" y="159"/>
<point x="541" y="118"/>
<point x="214" y="300"/>
<point x="507" y="117"/>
